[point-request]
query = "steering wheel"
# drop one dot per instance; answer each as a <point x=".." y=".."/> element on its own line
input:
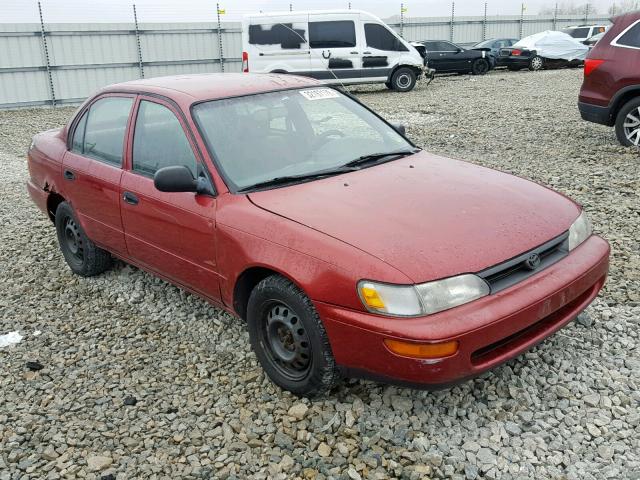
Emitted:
<point x="325" y="136"/>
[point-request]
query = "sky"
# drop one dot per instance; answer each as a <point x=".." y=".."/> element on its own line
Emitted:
<point x="55" y="11"/>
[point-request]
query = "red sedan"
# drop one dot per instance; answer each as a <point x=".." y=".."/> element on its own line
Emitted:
<point x="347" y="249"/>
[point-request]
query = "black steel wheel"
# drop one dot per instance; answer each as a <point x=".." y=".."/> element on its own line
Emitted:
<point x="289" y="338"/>
<point x="288" y="344"/>
<point x="80" y="253"/>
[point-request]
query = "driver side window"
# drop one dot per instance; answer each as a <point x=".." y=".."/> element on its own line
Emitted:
<point x="159" y="141"/>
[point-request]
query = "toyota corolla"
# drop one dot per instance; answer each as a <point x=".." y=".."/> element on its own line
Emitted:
<point x="348" y="250"/>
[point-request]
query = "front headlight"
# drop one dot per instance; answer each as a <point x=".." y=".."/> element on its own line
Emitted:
<point x="579" y="231"/>
<point x="422" y="299"/>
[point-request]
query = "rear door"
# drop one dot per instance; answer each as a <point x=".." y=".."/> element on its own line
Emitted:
<point x="335" y="50"/>
<point x="278" y="44"/>
<point x="92" y="169"/>
<point x="382" y="51"/>
<point x="171" y="233"/>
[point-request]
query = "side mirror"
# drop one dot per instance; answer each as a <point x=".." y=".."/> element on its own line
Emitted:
<point x="398" y="127"/>
<point x="175" y="179"/>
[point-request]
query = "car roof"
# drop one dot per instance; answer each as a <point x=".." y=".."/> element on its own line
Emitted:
<point x="212" y="86"/>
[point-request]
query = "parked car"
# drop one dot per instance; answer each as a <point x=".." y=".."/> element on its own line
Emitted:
<point x="590" y="42"/>
<point x="582" y="33"/>
<point x="447" y="57"/>
<point x="336" y="46"/>
<point x="610" y="92"/>
<point x="288" y="203"/>
<point x="547" y="49"/>
<point x="494" y="45"/>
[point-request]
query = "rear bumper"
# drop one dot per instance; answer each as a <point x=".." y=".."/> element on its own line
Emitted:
<point x="595" y="113"/>
<point x="490" y="330"/>
<point x="38" y="195"/>
<point x="522" y="62"/>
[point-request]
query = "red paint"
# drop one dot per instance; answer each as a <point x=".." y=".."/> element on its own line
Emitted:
<point x="421" y="218"/>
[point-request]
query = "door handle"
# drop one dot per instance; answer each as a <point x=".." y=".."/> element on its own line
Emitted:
<point x="366" y="53"/>
<point x="354" y="53"/>
<point x="69" y="175"/>
<point x="130" y="198"/>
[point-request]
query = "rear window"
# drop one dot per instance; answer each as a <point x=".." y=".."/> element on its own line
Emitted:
<point x="631" y="38"/>
<point x="336" y="34"/>
<point x="382" y="39"/>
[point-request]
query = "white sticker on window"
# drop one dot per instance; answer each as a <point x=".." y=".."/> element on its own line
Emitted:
<point x="319" y="93"/>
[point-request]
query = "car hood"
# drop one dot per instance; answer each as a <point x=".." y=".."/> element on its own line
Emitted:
<point x="429" y="217"/>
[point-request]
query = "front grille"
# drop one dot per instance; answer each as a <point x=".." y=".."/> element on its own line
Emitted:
<point x="519" y="268"/>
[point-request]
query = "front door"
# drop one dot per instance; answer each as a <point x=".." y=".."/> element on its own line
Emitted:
<point x="171" y="233"/>
<point x="92" y="169"/>
<point x="382" y="50"/>
<point x="335" y="52"/>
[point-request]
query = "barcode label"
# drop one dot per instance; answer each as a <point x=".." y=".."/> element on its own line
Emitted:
<point x="319" y="93"/>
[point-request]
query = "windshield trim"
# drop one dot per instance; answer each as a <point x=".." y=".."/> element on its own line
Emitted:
<point x="227" y="181"/>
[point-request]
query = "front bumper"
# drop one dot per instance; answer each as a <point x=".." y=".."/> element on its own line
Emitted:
<point x="490" y="330"/>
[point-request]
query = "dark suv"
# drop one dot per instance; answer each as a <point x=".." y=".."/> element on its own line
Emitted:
<point x="610" y="93"/>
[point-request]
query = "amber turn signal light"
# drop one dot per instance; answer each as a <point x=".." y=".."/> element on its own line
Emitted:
<point x="422" y="350"/>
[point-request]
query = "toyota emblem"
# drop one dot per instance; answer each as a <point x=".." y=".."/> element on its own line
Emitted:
<point x="532" y="262"/>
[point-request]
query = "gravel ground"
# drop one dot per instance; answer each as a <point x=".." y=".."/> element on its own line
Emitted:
<point x="140" y="379"/>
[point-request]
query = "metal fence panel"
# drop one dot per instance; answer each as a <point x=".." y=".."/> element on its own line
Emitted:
<point x="83" y="57"/>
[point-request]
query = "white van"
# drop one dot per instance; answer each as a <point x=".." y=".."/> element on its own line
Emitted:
<point x="336" y="46"/>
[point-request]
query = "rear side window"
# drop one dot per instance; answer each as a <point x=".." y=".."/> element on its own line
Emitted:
<point x="578" y="32"/>
<point x="336" y="34"/>
<point x="159" y="141"/>
<point x="283" y="34"/>
<point x="631" y="38"/>
<point x="105" y="129"/>
<point x="382" y="39"/>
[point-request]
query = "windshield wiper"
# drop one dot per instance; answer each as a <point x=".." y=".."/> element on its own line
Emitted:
<point x="380" y="157"/>
<point x="284" y="180"/>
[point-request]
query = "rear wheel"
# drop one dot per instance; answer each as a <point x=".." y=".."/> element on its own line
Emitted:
<point x="403" y="79"/>
<point x="480" y="67"/>
<point x="289" y="338"/>
<point x="536" y="63"/>
<point x="81" y="254"/>
<point x="628" y="123"/>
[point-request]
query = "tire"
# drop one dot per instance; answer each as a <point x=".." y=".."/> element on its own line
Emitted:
<point x="403" y="79"/>
<point x="81" y="254"/>
<point x="536" y="63"/>
<point x="628" y="123"/>
<point x="389" y="85"/>
<point x="289" y="338"/>
<point x="480" y="67"/>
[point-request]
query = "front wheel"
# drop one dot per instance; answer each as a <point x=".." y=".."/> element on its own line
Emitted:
<point x="403" y="79"/>
<point x="536" y="63"/>
<point x="81" y="254"/>
<point x="628" y="123"/>
<point x="289" y="338"/>
<point x="480" y="67"/>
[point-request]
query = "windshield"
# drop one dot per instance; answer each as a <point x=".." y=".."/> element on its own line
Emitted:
<point x="257" y="138"/>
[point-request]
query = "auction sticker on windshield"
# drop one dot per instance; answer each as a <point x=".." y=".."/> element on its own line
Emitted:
<point x="319" y="93"/>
